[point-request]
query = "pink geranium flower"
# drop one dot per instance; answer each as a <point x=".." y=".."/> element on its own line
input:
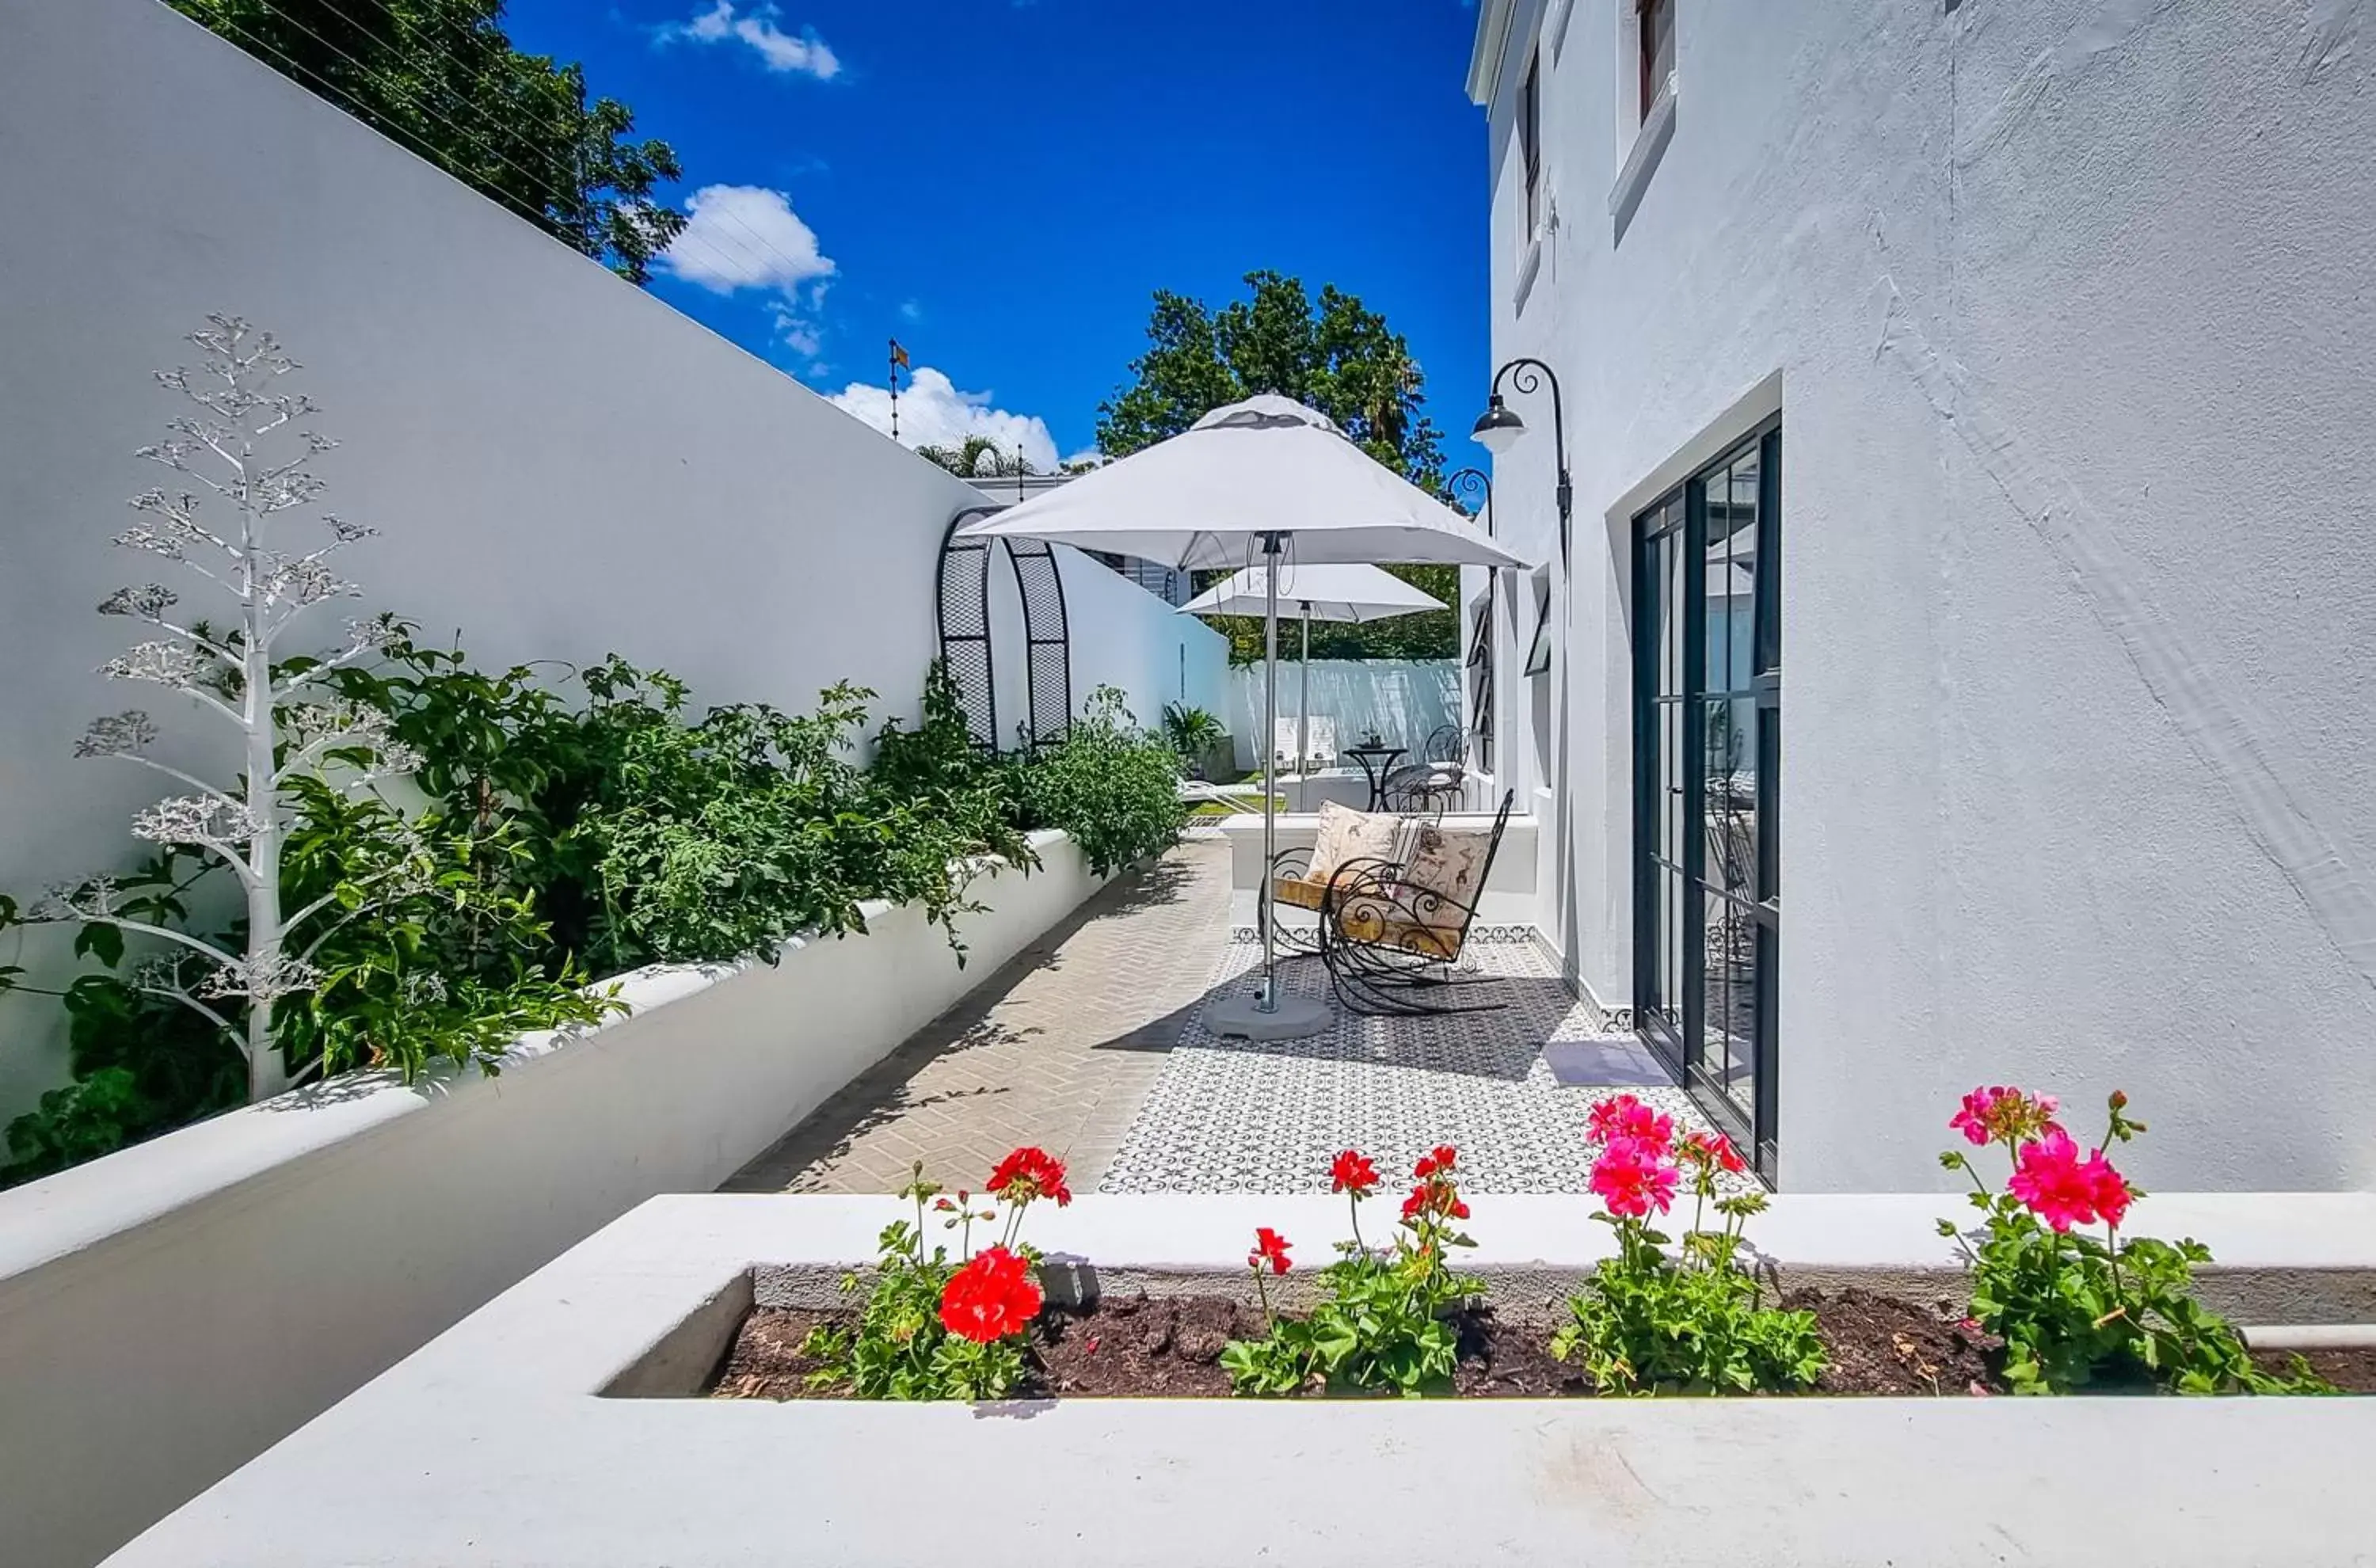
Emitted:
<point x="1623" y="1116"/>
<point x="1634" y="1176"/>
<point x="2113" y="1193"/>
<point x="2056" y="1184"/>
<point x="2005" y="1114"/>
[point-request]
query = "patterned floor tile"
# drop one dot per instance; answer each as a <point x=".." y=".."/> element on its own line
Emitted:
<point x="1229" y="1115"/>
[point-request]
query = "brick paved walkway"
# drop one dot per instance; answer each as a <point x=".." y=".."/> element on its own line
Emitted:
<point x="1057" y="1049"/>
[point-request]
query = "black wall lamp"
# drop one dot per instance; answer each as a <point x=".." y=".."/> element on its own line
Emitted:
<point x="1499" y="427"/>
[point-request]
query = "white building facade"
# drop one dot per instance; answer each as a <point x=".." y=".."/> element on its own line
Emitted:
<point x="2010" y="370"/>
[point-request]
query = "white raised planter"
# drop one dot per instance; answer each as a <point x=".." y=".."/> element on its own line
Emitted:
<point x="538" y="1432"/>
<point x="170" y="1310"/>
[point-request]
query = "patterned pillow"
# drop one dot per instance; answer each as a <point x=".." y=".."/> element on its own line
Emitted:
<point x="1347" y="835"/>
<point x="1449" y="862"/>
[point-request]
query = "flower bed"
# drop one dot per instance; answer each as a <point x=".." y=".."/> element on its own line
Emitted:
<point x="2052" y="1310"/>
<point x="1170" y="1347"/>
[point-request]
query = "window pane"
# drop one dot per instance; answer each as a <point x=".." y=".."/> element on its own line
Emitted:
<point x="1715" y="986"/>
<point x="1714" y="550"/>
<point x="1732" y="795"/>
<point x="1670" y="565"/>
<point x="1671" y="935"/>
<point x="1731" y="578"/>
<point x="1769" y="768"/>
<point x="1658" y="41"/>
<point x="1671" y="795"/>
<point x="1769" y="545"/>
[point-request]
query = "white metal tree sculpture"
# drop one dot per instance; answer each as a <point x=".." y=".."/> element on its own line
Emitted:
<point x="245" y="444"/>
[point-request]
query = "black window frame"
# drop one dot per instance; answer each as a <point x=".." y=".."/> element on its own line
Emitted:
<point x="1530" y="139"/>
<point x="1539" y="652"/>
<point x="1481" y="682"/>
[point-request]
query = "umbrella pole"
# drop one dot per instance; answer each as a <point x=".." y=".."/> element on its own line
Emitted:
<point x="1267" y="1001"/>
<point x="1303" y="708"/>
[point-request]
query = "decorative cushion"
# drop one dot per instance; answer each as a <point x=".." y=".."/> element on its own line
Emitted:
<point x="1347" y="835"/>
<point x="1302" y="892"/>
<point x="1443" y="878"/>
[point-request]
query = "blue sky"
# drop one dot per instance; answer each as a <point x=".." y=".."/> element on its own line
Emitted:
<point x="1002" y="183"/>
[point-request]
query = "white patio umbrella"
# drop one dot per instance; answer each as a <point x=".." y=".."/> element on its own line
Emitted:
<point x="1266" y="476"/>
<point x="1352" y="592"/>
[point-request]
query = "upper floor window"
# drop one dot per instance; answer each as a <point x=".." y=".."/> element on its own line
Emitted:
<point x="1530" y="142"/>
<point x="1657" y="33"/>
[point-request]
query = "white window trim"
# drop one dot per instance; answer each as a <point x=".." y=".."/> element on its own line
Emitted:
<point x="1649" y="142"/>
<point x="1530" y="264"/>
<point x="1555" y="27"/>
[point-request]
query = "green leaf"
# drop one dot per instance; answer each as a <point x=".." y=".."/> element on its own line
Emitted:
<point x="103" y="940"/>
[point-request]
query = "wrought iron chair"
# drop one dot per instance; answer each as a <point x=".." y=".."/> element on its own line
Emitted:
<point x="1287" y="885"/>
<point x="1392" y="942"/>
<point x="1431" y="786"/>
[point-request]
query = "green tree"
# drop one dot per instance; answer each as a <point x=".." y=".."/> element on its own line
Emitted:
<point x="441" y="78"/>
<point x="1337" y="356"/>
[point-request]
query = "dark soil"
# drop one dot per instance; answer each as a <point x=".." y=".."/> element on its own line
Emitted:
<point x="1170" y="1346"/>
<point x="2353" y="1371"/>
<point x="1883" y="1345"/>
<point x="1162" y="1347"/>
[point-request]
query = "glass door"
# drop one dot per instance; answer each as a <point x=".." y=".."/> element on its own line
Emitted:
<point x="1708" y="751"/>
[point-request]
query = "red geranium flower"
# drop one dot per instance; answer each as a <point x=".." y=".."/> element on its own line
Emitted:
<point x="1352" y="1172"/>
<point x="1433" y="1197"/>
<point x="989" y="1297"/>
<point x="1270" y="1248"/>
<point x="1713" y="1149"/>
<point x="1030" y="1173"/>
<point x="1438" y="1162"/>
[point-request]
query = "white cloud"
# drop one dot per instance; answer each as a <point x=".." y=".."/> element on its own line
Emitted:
<point x="799" y="333"/>
<point x="740" y="237"/>
<point x="933" y="412"/>
<point x="911" y="311"/>
<point x="804" y="54"/>
<point x="744" y="237"/>
<point x="1088" y="455"/>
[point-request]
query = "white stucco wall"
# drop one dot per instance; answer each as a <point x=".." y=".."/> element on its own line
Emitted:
<point x="2066" y="310"/>
<point x="1127" y="637"/>
<point x="172" y="1310"/>
<point x="561" y="465"/>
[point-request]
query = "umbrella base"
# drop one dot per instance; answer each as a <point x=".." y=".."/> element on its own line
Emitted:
<point x="1238" y="1018"/>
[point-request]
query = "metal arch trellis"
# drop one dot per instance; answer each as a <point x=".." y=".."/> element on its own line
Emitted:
<point x="967" y="652"/>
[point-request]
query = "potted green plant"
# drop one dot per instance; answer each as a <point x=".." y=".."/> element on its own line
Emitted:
<point x="1194" y="734"/>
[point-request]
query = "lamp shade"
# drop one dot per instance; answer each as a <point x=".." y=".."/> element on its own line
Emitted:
<point x="1499" y="427"/>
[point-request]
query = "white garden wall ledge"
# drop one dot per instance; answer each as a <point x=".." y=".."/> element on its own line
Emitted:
<point x="170" y="1310"/>
<point x="494" y="1446"/>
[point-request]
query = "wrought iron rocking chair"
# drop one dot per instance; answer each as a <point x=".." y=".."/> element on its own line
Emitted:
<point x="1433" y="783"/>
<point x="1391" y="945"/>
